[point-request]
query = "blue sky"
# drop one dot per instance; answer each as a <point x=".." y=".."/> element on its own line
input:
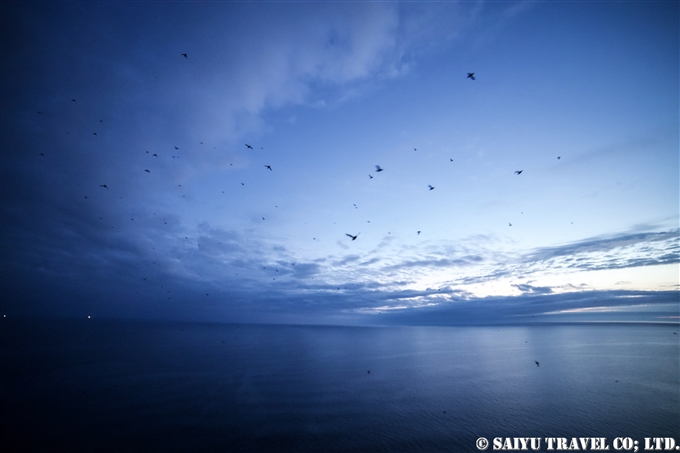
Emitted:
<point x="582" y="97"/>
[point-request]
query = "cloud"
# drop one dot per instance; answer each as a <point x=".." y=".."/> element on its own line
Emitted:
<point x="531" y="307"/>
<point x="612" y="252"/>
<point x="533" y="289"/>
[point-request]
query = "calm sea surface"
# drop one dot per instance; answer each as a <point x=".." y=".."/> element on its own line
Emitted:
<point x="121" y="386"/>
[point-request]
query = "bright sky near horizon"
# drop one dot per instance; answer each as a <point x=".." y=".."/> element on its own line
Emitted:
<point x="135" y="179"/>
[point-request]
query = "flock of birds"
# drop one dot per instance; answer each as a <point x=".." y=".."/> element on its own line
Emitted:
<point x="353" y="237"/>
<point x="378" y="168"/>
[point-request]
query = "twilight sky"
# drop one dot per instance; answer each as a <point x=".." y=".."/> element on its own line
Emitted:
<point x="581" y="97"/>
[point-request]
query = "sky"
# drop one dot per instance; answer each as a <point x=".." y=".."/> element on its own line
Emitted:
<point x="239" y="182"/>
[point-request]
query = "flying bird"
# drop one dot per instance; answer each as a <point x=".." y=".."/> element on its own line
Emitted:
<point x="94" y="133"/>
<point x="185" y="55"/>
<point x="509" y="224"/>
<point x="353" y="237"/>
<point x="418" y="233"/>
<point x="559" y="157"/>
<point x="42" y="154"/>
<point x="536" y="362"/>
<point x="370" y="176"/>
<point x="518" y="172"/>
<point x="73" y="100"/>
<point x="154" y="155"/>
<point x="248" y="146"/>
<point x="147" y="171"/>
<point x="431" y="188"/>
<point x="378" y="169"/>
<point x="176" y="147"/>
<point x="269" y="167"/>
<point x="104" y="186"/>
<point x="450" y="159"/>
<point x="471" y="75"/>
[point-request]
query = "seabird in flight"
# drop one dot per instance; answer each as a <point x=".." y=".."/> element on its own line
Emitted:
<point x="154" y="155"/>
<point x="185" y="55"/>
<point x="378" y="169"/>
<point x="518" y="172"/>
<point x="269" y="167"/>
<point x="370" y="176"/>
<point x="353" y="237"/>
<point x="147" y="171"/>
<point x="248" y="146"/>
<point x="536" y="362"/>
<point x="104" y="186"/>
<point x="471" y="75"/>
<point x="431" y="188"/>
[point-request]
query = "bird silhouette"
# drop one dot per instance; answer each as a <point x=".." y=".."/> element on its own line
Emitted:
<point x="378" y="169"/>
<point x="431" y="188"/>
<point x="450" y="159"/>
<point x="509" y="224"/>
<point x="185" y="55"/>
<point x="248" y="146"/>
<point x="269" y="167"/>
<point x="559" y="157"/>
<point x="471" y="75"/>
<point x="147" y="171"/>
<point x="94" y="133"/>
<point x="176" y="147"/>
<point x="73" y="100"/>
<point x="518" y="172"/>
<point x="418" y="233"/>
<point x="370" y="176"/>
<point x="536" y="362"/>
<point x="154" y="155"/>
<point x="42" y="154"/>
<point x="104" y="186"/>
<point x="353" y="237"/>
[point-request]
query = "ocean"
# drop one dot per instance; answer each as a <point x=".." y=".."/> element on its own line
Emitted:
<point x="89" y="385"/>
